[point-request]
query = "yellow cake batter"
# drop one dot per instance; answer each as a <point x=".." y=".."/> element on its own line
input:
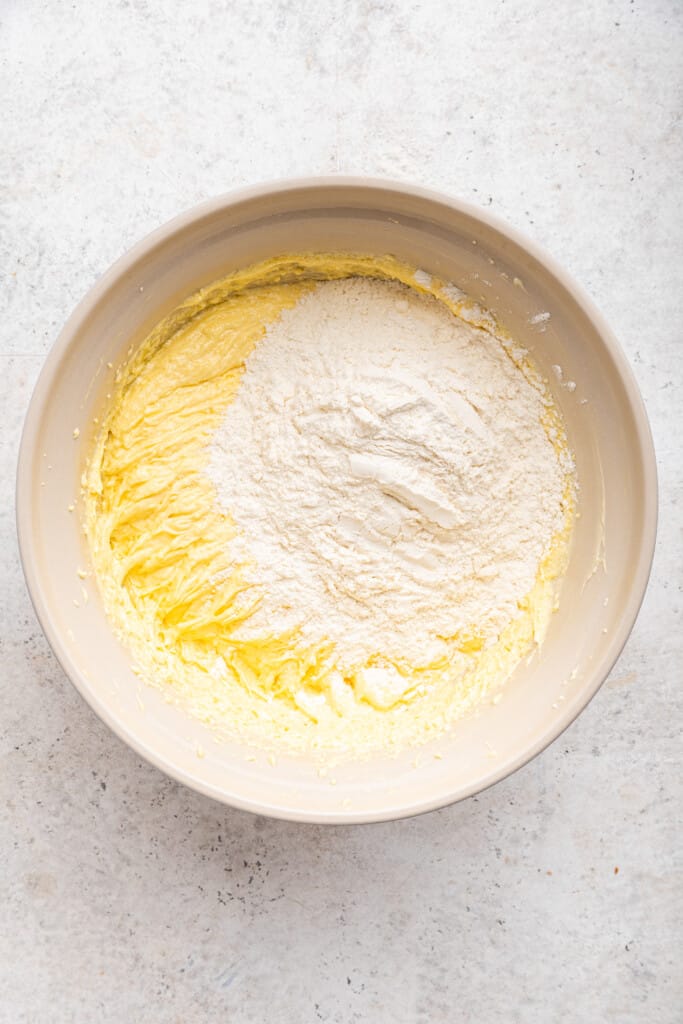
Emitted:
<point x="160" y="542"/>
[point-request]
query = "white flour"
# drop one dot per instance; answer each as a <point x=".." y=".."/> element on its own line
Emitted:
<point x="388" y="472"/>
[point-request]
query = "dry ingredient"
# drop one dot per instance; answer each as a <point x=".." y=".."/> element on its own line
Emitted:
<point x="392" y="483"/>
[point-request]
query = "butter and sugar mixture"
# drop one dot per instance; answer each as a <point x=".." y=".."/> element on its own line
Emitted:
<point x="330" y="505"/>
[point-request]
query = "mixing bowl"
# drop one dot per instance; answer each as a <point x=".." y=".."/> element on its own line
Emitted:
<point x="591" y="382"/>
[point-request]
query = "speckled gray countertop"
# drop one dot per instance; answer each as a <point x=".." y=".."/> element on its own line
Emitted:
<point x="555" y="896"/>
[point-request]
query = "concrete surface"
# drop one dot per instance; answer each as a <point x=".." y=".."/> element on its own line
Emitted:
<point x="557" y="895"/>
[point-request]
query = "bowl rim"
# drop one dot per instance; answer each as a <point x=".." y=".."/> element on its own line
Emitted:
<point x="25" y="511"/>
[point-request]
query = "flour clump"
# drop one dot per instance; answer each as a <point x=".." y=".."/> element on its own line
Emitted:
<point x="390" y="477"/>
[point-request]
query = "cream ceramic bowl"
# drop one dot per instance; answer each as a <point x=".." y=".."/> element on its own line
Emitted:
<point x="606" y="424"/>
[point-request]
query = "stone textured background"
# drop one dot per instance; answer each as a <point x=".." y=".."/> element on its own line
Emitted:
<point x="556" y="896"/>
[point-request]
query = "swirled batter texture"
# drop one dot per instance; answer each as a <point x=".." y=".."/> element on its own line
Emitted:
<point x="170" y="556"/>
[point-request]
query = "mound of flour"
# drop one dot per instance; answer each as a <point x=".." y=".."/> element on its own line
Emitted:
<point x="389" y="474"/>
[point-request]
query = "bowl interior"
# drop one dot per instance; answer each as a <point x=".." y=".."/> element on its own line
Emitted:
<point x="607" y="431"/>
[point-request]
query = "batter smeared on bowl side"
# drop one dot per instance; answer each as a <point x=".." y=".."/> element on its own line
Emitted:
<point x="330" y="505"/>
